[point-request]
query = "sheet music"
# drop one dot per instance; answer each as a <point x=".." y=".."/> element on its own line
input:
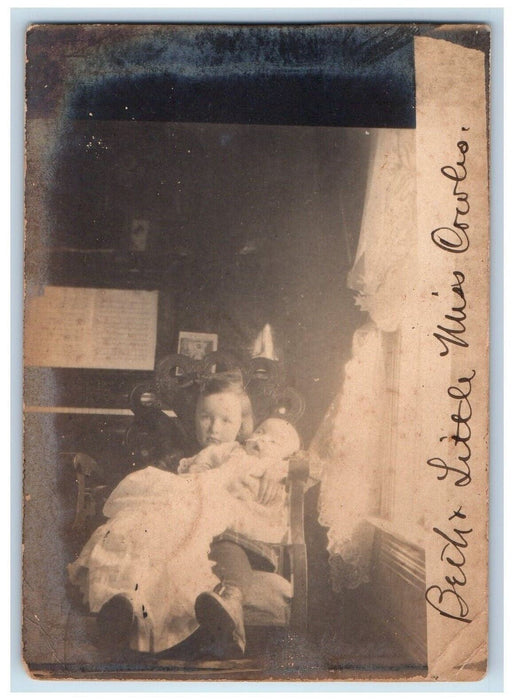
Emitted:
<point x="92" y="328"/>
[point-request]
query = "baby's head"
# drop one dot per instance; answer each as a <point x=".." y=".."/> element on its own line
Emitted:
<point x="274" y="438"/>
<point x="223" y="410"/>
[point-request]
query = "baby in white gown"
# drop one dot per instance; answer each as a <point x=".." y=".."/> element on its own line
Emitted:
<point x="153" y="549"/>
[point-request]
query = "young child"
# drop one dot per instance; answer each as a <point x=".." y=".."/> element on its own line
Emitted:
<point x="153" y="549"/>
<point x="254" y="475"/>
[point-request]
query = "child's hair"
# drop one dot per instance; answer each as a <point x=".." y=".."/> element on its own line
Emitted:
<point x="231" y="382"/>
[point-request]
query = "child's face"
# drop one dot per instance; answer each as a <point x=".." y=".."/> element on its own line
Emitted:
<point x="218" y="418"/>
<point x="274" y="438"/>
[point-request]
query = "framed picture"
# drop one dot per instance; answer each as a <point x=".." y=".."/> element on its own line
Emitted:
<point x="139" y="240"/>
<point x="197" y="345"/>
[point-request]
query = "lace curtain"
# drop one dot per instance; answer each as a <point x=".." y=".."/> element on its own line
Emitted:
<point x="347" y="451"/>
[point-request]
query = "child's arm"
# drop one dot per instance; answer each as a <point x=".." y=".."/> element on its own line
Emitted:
<point x="210" y="457"/>
<point x="261" y="479"/>
<point x="271" y="481"/>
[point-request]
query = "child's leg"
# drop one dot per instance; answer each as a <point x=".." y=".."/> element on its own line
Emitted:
<point x="221" y="610"/>
<point x="232" y="566"/>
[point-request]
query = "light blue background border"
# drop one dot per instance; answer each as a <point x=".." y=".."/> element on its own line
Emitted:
<point x="20" y="18"/>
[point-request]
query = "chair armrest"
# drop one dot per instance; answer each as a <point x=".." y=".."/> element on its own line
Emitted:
<point x="299" y="467"/>
<point x="85" y="468"/>
<point x="297" y="477"/>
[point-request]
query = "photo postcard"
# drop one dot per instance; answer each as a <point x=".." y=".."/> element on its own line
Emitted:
<point x="256" y="352"/>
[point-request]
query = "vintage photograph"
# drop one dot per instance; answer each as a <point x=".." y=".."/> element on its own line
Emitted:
<point x="197" y="345"/>
<point x="255" y="322"/>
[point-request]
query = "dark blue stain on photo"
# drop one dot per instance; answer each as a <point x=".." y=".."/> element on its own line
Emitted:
<point x="331" y="75"/>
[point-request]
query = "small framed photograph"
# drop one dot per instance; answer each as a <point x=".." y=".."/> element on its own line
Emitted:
<point x="197" y="345"/>
<point x="139" y="235"/>
<point x="139" y="239"/>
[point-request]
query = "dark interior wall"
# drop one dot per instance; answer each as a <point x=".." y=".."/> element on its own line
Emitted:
<point x="248" y="225"/>
<point x="231" y="140"/>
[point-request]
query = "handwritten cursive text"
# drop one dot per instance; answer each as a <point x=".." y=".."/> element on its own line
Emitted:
<point x="453" y="331"/>
<point x="462" y="434"/>
<point x="450" y="601"/>
<point x="455" y="238"/>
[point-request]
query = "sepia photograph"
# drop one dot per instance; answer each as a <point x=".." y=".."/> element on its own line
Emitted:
<point x="196" y="345"/>
<point x="255" y="352"/>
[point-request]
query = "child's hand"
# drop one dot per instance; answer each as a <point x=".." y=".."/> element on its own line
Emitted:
<point x="198" y="468"/>
<point x="270" y="482"/>
<point x="268" y="490"/>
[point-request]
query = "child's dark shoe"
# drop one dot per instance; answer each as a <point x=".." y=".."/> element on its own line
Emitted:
<point x="221" y="612"/>
<point x="115" y="622"/>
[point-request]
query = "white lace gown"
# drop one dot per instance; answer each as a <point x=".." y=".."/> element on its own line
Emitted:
<point x="154" y="547"/>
